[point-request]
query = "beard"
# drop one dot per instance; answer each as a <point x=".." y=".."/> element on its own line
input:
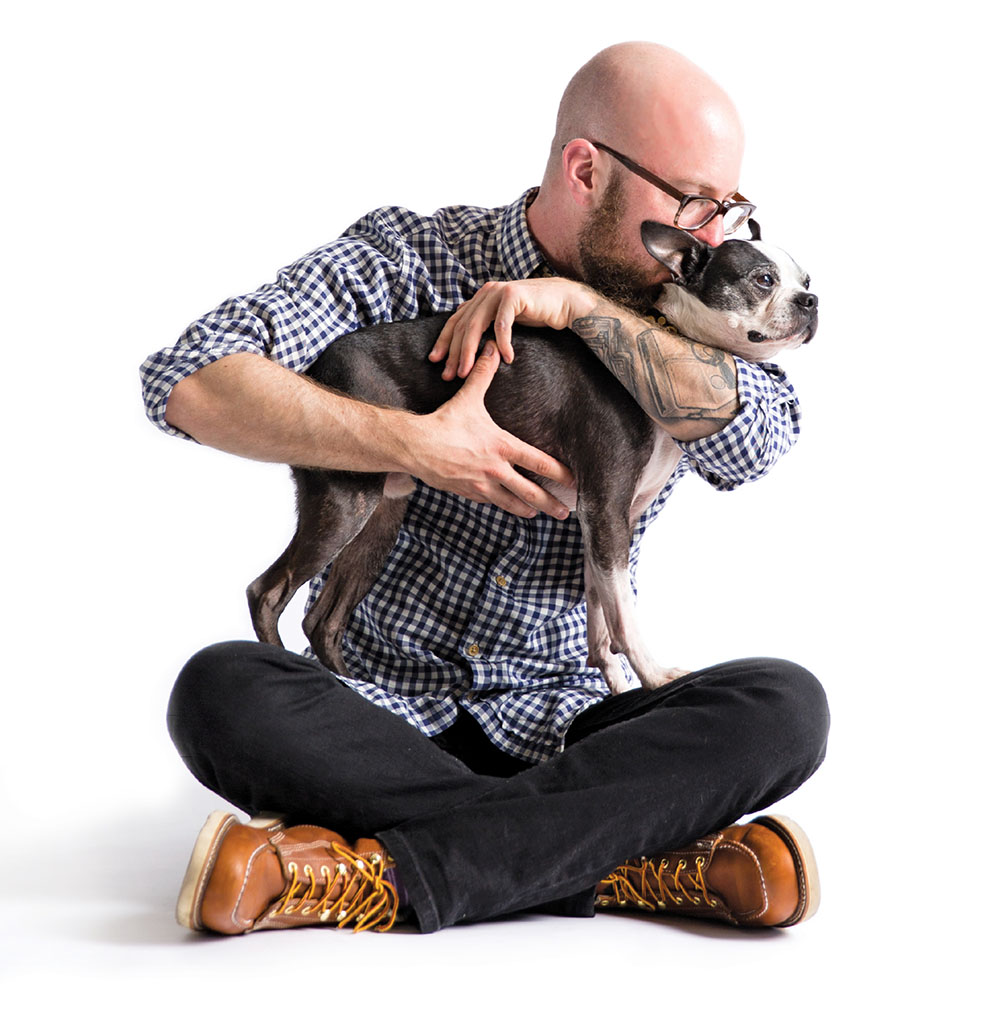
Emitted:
<point x="602" y="265"/>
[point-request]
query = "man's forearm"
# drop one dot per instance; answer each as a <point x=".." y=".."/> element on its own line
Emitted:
<point x="687" y="388"/>
<point x="248" y="405"/>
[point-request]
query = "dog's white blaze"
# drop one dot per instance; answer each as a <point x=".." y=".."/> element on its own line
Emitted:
<point x="777" y="316"/>
<point x="790" y="273"/>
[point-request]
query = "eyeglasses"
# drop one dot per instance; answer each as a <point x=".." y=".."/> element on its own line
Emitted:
<point x="696" y="210"/>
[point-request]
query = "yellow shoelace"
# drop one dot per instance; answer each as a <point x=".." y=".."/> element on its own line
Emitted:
<point x="657" y="885"/>
<point x="364" y="898"/>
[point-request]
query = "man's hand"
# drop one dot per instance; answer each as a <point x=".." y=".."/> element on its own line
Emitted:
<point x="536" y="302"/>
<point x="460" y="449"/>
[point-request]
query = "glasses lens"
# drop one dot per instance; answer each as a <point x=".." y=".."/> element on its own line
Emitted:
<point x="696" y="213"/>
<point x="735" y="217"/>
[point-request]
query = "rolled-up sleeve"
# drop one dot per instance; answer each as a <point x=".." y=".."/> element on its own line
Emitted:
<point x="331" y="292"/>
<point x="765" y="429"/>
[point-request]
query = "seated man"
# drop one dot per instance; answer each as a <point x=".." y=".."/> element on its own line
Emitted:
<point x="472" y="764"/>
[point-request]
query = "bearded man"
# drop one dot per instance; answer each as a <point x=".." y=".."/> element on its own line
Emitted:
<point x="472" y="764"/>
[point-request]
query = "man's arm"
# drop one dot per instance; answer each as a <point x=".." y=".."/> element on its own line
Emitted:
<point x="686" y="387"/>
<point x="249" y="405"/>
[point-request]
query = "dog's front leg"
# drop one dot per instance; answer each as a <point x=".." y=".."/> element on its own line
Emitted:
<point x="606" y="547"/>
<point x="618" y="608"/>
<point x="599" y="652"/>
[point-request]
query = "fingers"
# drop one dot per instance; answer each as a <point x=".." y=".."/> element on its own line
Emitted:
<point x="503" y="324"/>
<point x="461" y="335"/>
<point x="481" y="373"/>
<point x="519" y="495"/>
<point x="443" y="342"/>
<point x="473" y="320"/>
<point x="532" y="459"/>
<point x="515" y="491"/>
<point x="529" y="498"/>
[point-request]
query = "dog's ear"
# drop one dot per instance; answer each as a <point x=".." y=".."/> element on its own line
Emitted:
<point x="685" y="255"/>
<point x="754" y="230"/>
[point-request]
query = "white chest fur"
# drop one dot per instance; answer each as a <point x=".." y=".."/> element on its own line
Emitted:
<point x="660" y="466"/>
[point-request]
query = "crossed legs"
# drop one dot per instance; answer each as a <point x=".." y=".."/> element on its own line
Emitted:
<point x="270" y="730"/>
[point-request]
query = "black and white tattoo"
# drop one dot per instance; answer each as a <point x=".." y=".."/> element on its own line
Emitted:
<point x="674" y="379"/>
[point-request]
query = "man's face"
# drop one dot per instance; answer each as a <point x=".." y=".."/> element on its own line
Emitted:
<point x="611" y="255"/>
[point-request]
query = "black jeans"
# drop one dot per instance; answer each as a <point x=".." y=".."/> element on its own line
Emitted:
<point x="475" y="833"/>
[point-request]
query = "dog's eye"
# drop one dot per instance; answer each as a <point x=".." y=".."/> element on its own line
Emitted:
<point x="805" y="282"/>
<point x="765" y="280"/>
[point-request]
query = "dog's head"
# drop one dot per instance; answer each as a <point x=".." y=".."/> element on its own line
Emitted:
<point x="748" y="298"/>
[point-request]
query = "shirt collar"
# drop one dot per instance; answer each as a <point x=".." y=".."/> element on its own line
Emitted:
<point x="519" y="254"/>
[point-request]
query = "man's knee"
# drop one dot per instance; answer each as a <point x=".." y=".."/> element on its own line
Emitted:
<point x="210" y="683"/>
<point x="792" y="706"/>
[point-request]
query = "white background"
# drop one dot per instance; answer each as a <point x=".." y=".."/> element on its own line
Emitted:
<point x="160" y="158"/>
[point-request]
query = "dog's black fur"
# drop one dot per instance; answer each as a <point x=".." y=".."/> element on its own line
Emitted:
<point x="536" y="398"/>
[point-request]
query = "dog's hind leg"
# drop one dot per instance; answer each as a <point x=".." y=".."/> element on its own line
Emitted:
<point x="356" y="568"/>
<point x="331" y="513"/>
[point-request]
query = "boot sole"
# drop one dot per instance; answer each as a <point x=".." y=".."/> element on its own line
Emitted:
<point x="805" y="865"/>
<point x="202" y="862"/>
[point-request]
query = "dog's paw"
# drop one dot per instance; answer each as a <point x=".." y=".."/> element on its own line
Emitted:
<point x="618" y="682"/>
<point x="663" y="676"/>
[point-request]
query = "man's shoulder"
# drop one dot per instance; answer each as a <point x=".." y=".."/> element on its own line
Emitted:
<point x="447" y="223"/>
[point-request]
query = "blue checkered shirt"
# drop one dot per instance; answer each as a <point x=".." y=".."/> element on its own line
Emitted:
<point x="475" y="607"/>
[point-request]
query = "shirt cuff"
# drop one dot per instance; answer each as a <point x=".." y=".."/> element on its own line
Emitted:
<point x="766" y="427"/>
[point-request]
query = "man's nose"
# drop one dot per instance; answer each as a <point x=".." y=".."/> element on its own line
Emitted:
<point x="713" y="233"/>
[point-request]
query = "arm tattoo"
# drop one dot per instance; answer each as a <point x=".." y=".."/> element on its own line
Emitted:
<point x="673" y="379"/>
<point x="603" y="335"/>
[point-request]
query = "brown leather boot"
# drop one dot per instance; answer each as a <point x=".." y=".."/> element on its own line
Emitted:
<point x="263" y="875"/>
<point x="762" y="874"/>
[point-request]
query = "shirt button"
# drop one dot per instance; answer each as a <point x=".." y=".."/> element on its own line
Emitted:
<point x="472" y="649"/>
<point x="501" y="581"/>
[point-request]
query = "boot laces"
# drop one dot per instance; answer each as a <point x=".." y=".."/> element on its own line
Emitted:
<point x="352" y="891"/>
<point x="652" y="885"/>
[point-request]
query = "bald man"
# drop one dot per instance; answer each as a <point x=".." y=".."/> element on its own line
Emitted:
<point x="471" y="764"/>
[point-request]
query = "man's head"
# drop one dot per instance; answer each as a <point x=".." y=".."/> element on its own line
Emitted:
<point x="666" y="115"/>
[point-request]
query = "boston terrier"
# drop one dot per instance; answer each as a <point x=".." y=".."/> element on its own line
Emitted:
<point x="744" y="297"/>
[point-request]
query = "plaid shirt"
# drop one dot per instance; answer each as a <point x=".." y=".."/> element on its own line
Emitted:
<point x="475" y="607"/>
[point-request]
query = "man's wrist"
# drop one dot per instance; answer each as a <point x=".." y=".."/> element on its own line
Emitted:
<point x="585" y="302"/>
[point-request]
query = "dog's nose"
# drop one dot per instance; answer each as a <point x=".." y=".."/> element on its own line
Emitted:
<point x="806" y="300"/>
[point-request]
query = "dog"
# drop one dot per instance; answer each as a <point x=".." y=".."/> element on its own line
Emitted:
<point x="744" y="297"/>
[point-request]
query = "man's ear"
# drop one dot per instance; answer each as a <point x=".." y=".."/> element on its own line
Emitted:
<point x="578" y="171"/>
<point x="685" y="255"/>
